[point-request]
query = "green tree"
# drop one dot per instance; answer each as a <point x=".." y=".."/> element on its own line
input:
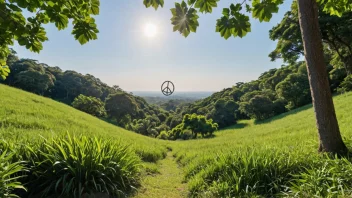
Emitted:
<point x="235" y="22"/>
<point x="34" y="81"/>
<point x="196" y="124"/>
<point x="295" y="90"/>
<point x="119" y="105"/>
<point x="89" y="104"/>
<point x="224" y="112"/>
<point x="30" y="31"/>
<point x="335" y="33"/>
<point x="259" y="107"/>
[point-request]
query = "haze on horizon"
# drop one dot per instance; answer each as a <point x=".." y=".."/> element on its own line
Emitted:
<point x="137" y="50"/>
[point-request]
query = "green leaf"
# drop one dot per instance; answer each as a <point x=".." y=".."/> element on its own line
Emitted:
<point x="264" y="9"/>
<point x="4" y="71"/>
<point x="14" y="8"/>
<point x="224" y="26"/>
<point x="183" y="19"/>
<point x="233" y="22"/>
<point x="50" y="4"/>
<point x="85" y="31"/>
<point x="153" y="3"/>
<point x="94" y="7"/>
<point x="336" y="7"/>
<point x="61" y="21"/>
<point x="206" y="5"/>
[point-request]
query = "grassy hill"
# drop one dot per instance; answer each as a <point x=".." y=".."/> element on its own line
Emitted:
<point x="26" y="116"/>
<point x="276" y="157"/>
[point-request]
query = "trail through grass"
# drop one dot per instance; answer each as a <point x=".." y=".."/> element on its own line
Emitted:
<point x="167" y="183"/>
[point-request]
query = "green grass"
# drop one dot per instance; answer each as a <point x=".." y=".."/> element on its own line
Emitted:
<point x="27" y="116"/>
<point x="275" y="157"/>
<point x="263" y="159"/>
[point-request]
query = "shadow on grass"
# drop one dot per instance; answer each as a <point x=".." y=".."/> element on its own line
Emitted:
<point x="236" y="126"/>
<point x="278" y="117"/>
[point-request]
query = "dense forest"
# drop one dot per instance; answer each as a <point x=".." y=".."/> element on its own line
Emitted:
<point x="274" y="92"/>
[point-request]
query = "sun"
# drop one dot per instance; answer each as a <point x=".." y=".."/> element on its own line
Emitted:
<point x="150" y="30"/>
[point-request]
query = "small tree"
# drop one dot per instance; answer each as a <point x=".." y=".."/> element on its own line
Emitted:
<point x="91" y="105"/>
<point x="195" y="123"/>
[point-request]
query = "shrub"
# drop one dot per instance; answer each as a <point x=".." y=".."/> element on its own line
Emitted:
<point x="75" y="166"/>
<point x="8" y="170"/>
<point x="163" y="135"/>
<point x="91" y="105"/>
<point x="187" y="134"/>
<point x="346" y="85"/>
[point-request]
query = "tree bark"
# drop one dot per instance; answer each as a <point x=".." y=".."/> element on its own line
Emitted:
<point x="326" y="121"/>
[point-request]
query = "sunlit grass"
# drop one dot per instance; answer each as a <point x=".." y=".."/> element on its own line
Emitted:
<point x="275" y="157"/>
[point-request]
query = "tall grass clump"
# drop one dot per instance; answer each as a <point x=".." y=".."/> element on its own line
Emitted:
<point x="9" y="175"/>
<point x="329" y="178"/>
<point x="247" y="172"/>
<point x="78" y="166"/>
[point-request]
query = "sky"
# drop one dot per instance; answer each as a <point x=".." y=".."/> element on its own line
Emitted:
<point x="124" y="55"/>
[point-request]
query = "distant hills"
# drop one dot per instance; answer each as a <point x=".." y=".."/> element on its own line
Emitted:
<point x="176" y="95"/>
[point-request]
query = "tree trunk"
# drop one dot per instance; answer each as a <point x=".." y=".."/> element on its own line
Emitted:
<point x="326" y="121"/>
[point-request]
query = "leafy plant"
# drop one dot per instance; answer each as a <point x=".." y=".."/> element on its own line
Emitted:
<point x="81" y="165"/>
<point x="8" y="175"/>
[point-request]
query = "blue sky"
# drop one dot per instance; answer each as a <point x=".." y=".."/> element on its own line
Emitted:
<point x="123" y="55"/>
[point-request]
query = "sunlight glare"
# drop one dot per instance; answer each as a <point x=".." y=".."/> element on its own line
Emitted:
<point x="150" y="30"/>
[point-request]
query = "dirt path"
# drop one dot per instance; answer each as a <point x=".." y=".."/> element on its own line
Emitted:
<point x="167" y="184"/>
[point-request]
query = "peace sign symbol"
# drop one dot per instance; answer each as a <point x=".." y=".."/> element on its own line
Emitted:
<point x="167" y="88"/>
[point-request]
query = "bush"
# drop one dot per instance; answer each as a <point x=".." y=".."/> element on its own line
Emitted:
<point x="187" y="134"/>
<point x="163" y="135"/>
<point x="346" y="85"/>
<point x="75" y="166"/>
<point x="8" y="170"/>
<point x="91" y="105"/>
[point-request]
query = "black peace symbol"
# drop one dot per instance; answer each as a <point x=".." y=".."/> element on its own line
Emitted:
<point x="167" y="88"/>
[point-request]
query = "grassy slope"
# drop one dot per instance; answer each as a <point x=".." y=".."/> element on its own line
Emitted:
<point x="292" y="134"/>
<point x="26" y="116"/>
<point x="294" y="129"/>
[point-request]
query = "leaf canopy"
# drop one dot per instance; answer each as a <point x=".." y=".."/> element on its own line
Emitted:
<point x="30" y="32"/>
<point x="234" y="20"/>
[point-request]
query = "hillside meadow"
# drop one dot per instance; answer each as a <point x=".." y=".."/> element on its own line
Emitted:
<point x="67" y="152"/>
